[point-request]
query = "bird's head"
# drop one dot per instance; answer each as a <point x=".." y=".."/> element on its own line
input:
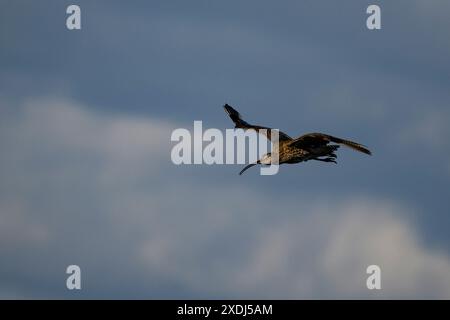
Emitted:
<point x="266" y="159"/>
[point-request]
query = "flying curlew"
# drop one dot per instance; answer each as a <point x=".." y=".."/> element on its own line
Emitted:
<point x="311" y="146"/>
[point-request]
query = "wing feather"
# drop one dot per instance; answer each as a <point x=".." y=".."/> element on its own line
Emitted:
<point x="240" y="123"/>
<point x="320" y="139"/>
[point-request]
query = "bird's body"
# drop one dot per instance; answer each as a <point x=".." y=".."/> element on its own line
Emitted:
<point x="311" y="146"/>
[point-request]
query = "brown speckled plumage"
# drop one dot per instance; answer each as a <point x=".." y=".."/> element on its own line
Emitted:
<point x="311" y="146"/>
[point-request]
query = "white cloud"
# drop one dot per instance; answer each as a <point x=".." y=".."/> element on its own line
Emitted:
<point x="377" y="233"/>
<point x="96" y="189"/>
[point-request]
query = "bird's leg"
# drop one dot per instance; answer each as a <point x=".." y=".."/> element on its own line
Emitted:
<point x="329" y="159"/>
<point x="332" y="155"/>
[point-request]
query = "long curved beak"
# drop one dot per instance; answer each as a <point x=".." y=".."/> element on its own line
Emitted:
<point x="248" y="166"/>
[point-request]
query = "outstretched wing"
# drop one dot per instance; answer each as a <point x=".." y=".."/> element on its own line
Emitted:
<point x="239" y="123"/>
<point x="312" y="140"/>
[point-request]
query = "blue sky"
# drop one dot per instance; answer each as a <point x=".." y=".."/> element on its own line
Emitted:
<point x="85" y="170"/>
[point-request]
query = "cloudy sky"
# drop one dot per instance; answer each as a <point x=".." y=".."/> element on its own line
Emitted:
<point x="85" y="171"/>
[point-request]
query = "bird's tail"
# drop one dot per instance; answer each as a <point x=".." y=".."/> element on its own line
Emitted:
<point x="354" y="145"/>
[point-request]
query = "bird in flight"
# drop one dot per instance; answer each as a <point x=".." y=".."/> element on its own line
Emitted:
<point x="310" y="146"/>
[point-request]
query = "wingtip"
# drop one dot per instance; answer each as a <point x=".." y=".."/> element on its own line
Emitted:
<point x="233" y="113"/>
<point x="227" y="107"/>
<point x="366" y="150"/>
